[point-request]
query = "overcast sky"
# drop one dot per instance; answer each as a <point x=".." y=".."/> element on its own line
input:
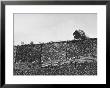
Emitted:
<point x="52" y="27"/>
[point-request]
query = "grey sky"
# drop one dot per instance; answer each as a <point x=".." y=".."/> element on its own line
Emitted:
<point x="52" y="27"/>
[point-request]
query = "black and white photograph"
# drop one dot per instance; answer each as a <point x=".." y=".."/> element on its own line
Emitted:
<point x="55" y="44"/>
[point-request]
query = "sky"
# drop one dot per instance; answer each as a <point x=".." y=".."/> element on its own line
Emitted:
<point x="46" y="27"/>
